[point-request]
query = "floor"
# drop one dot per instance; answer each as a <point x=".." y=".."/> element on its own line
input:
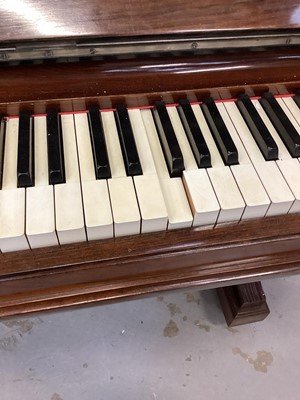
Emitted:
<point x="169" y="347"/>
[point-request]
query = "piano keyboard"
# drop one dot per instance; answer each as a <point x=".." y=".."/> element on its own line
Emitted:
<point x="67" y="178"/>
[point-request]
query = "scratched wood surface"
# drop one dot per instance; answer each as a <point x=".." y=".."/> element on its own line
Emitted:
<point x="43" y="19"/>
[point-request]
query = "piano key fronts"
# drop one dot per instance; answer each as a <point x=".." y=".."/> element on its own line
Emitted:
<point x="103" y="174"/>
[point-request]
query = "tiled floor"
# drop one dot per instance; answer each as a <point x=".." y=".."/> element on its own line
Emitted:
<point x="170" y="347"/>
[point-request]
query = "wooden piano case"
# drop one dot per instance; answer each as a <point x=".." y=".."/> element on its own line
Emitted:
<point x="138" y="265"/>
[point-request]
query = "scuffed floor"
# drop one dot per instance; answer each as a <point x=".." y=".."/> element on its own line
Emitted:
<point x="173" y="346"/>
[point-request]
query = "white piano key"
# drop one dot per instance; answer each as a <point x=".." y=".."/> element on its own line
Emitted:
<point x="156" y="150"/>
<point x="254" y="194"/>
<point x="150" y="198"/>
<point x="229" y="197"/>
<point x="97" y="209"/>
<point x="124" y="204"/>
<point x="84" y="146"/>
<point x="96" y="202"/>
<point x="216" y="159"/>
<point x="9" y="179"/>
<point x="151" y="203"/>
<point x="69" y="215"/>
<point x="227" y="192"/>
<point x="204" y="204"/>
<point x="126" y="214"/>
<point x="68" y="198"/>
<point x="188" y="156"/>
<point x="289" y="167"/>
<point x="242" y="154"/>
<point x="70" y="148"/>
<point x="250" y="186"/>
<point x="12" y="217"/>
<point x="40" y="213"/>
<point x="40" y="220"/>
<point x="114" y="151"/>
<point x="40" y="152"/>
<point x="12" y="199"/>
<point x="141" y="141"/>
<point x="177" y="205"/>
<point x="291" y="110"/>
<point x="273" y="181"/>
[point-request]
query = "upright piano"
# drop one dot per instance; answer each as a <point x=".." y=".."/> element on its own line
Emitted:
<point x="147" y="146"/>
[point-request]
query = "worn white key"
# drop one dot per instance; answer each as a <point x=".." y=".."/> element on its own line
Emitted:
<point x="124" y="205"/>
<point x="126" y="214"/>
<point x="229" y="197"/>
<point x="114" y="151"/>
<point x="40" y="220"/>
<point x="142" y="143"/>
<point x="150" y="198"/>
<point x="40" y="152"/>
<point x="291" y="110"/>
<point x="69" y="215"/>
<point x="12" y="199"/>
<point x="177" y="205"/>
<point x="188" y="156"/>
<point x="201" y="195"/>
<point x="68" y="199"/>
<point x="96" y="202"/>
<point x="40" y="210"/>
<point x="289" y="167"/>
<point x="227" y="192"/>
<point x="273" y="181"/>
<point x="204" y="204"/>
<point x="250" y="186"/>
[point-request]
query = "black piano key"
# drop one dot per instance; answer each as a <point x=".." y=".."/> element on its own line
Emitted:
<point x="25" y="151"/>
<point x="194" y="134"/>
<point x="220" y="132"/>
<point x="257" y="127"/>
<point x="55" y="148"/>
<point x="168" y="140"/>
<point x="102" y="168"/>
<point x="130" y="155"/>
<point x="2" y="143"/>
<point x="282" y="124"/>
<point x="297" y="98"/>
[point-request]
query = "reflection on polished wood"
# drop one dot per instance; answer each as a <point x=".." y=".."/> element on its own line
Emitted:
<point x="138" y="265"/>
<point x="142" y="81"/>
<point x="43" y="19"/>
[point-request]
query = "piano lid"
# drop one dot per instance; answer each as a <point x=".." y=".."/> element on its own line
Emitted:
<point x="39" y="29"/>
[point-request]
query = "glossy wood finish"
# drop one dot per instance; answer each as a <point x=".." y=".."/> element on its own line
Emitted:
<point x="243" y="304"/>
<point x="42" y="19"/>
<point x="142" y="81"/>
<point x="138" y="265"/>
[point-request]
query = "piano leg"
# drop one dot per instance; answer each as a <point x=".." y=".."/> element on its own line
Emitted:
<point x="243" y="304"/>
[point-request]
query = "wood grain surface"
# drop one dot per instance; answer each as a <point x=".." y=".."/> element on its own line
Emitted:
<point x="142" y="81"/>
<point x="138" y="265"/>
<point x="43" y="19"/>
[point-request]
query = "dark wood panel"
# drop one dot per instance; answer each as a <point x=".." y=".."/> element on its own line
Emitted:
<point x="243" y="304"/>
<point x="140" y="80"/>
<point x="42" y="19"/>
<point x="131" y="266"/>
